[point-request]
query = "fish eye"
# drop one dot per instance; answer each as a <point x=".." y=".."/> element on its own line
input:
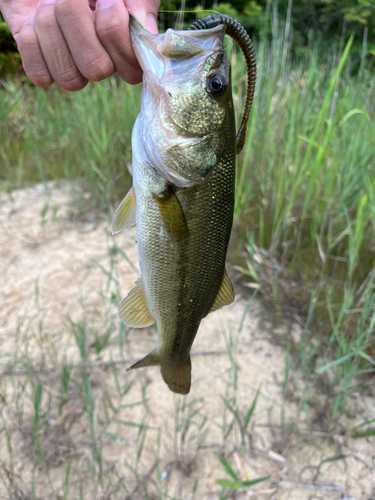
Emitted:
<point x="216" y="84"/>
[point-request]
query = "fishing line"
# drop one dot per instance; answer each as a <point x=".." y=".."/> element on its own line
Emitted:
<point x="197" y="12"/>
<point x="189" y="11"/>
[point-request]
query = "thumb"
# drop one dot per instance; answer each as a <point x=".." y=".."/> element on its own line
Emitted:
<point x="145" y="12"/>
<point x="15" y="16"/>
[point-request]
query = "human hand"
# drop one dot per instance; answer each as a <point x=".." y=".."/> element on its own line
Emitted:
<point x="74" y="41"/>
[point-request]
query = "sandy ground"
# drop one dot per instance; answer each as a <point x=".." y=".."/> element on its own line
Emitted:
<point x="57" y="267"/>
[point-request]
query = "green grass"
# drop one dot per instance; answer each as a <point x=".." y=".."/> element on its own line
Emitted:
<point x="75" y="424"/>
<point x="305" y="193"/>
<point x="305" y="205"/>
<point x="50" y="134"/>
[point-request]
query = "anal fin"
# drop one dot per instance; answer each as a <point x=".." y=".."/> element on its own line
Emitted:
<point x="152" y="359"/>
<point x="225" y="294"/>
<point x="133" y="310"/>
<point x="172" y="214"/>
<point x="124" y="216"/>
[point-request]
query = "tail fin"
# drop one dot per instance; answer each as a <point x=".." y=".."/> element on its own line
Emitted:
<point x="177" y="377"/>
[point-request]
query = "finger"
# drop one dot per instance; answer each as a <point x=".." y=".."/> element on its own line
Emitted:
<point x="32" y="57"/>
<point x="76" y="22"/>
<point x="16" y="14"/>
<point x="112" y="28"/>
<point x="55" y="50"/>
<point x="145" y="12"/>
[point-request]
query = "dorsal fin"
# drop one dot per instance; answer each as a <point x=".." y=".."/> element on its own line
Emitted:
<point x="133" y="310"/>
<point x="225" y="295"/>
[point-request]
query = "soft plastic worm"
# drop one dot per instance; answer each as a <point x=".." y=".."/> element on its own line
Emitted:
<point x="239" y="34"/>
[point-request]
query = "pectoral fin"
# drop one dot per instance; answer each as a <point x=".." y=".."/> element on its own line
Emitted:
<point x="172" y="214"/>
<point x="125" y="214"/>
<point x="133" y="310"/>
<point x="225" y="295"/>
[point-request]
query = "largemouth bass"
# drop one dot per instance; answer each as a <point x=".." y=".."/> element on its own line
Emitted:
<point x="182" y="199"/>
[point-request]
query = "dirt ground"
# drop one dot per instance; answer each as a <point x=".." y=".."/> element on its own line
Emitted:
<point x="60" y="269"/>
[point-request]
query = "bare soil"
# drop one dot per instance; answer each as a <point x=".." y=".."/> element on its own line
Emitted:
<point x="59" y="268"/>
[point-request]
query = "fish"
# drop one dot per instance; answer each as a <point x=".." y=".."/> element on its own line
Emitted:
<point x="182" y="200"/>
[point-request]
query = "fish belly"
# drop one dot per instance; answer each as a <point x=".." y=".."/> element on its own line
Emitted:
<point x="182" y="278"/>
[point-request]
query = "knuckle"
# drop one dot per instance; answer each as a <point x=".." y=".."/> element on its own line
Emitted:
<point x="111" y="29"/>
<point x="99" y="68"/>
<point x="45" y="20"/>
<point x="26" y="38"/>
<point x="64" y="8"/>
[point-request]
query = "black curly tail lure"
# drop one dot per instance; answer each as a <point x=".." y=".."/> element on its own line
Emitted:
<point x="239" y="34"/>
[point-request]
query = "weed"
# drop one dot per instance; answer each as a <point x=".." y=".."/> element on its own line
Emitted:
<point x="236" y="482"/>
<point x="304" y="212"/>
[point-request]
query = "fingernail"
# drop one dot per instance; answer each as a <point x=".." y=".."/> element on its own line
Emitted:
<point x="46" y="2"/>
<point x="151" y="24"/>
<point x="104" y="4"/>
<point x="31" y="20"/>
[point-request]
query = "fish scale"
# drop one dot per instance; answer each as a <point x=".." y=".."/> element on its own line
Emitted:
<point x="182" y="200"/>
<point x="182" y="279"/>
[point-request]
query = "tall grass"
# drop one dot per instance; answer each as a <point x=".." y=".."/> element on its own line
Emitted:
<point x="305" y="202"/>
<point x="305" y="192"/>
<point x="50" y="134"/>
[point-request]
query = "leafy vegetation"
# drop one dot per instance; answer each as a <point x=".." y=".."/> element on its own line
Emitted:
<point x="74" y="423"/>
<point x="49" y="134"/>
<point x="9" y="58"/>
<point x="305" y="194"/>
<point x="321" y="19"/>
<point x="325" y="20"/>
<point x="306" y="204"/>
<point x="304" y="238"/>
